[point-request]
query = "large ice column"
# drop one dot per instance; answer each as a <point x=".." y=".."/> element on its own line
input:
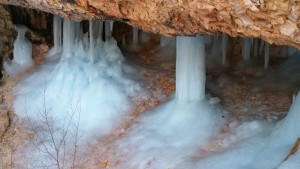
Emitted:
<point x="246" y="49"/>
<point x="176" y="130"/>
<point x="190" y="69"/>
<point x="68" y="38"/>
<point x="22" y="52"/>
<point x="267" y="55"/>
<point x="57" y="36"/>
<point x="224" y="48"/>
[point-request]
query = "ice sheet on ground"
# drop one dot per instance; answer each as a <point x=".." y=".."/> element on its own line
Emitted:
<point x="266" y="149"/>
<point x="103" y="89"/>
<point x="169" y="134"/>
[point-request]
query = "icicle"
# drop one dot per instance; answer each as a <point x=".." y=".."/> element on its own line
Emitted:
<point x="216" y="39"/>
<point x="92" y="43"/>
<point x="224" y="48"/>
<point x="135" y="37"/>
<point x="68" y="38"/>
<point x="100" y="30"/>
<point x="78" y="31"/>
<point x="246" y="48"/>
<point x="267" y="55"/>
<point x="107" y="30"/>
<point x="111" y="24"/>
<point x="261" y="47"/>
<point x="96" y="26"/>
<point x="57" y="28"/>
<point x="57" y="36"/>
<point x="190" y="69"/>
<point x="255" y="48"/>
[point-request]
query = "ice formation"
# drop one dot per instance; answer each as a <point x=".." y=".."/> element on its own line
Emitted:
<point x="98" y="82"/>
<point x="92" y="41"/>
<point x="93" y="79"/>
<point x="255" y="48"/>
<point x="108" y="29"/>
<point x="57" y="36"/>
<point x="261" y="47"/>
<point x="135" y="36"/>
<point x="152" y="143"/>
<point x="190" y="69"/>
<point x="246" y="48"/>
<point x="224" y="48"/>
<point x="258" y="148"/>
<point x="267" y="55"/>
<point x="111" y="24"/>
<point x="170" y="133"/>
<point x="22" y="53"/>
<point x="68" y="39"/>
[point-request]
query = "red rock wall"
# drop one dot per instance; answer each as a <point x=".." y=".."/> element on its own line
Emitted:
<point x="275" y="21"/>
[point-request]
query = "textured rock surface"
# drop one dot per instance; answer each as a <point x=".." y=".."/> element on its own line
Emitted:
<point x="7" y="35"/>
<point x="38" y="22"/>
<point x="275" y="21"/>
<point x="4" y="122"/>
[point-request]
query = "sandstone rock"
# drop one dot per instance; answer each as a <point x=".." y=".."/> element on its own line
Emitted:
<point x="35" y="38"/>
<point x="39" y="52"/>
<point x="7" y="34"/>
<point x="4" y="121"/>
<point x="268" y="20"/>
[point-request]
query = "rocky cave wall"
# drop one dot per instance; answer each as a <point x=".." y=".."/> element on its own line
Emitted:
<point x="275" y="21"/>
<point x="7" y="34"/>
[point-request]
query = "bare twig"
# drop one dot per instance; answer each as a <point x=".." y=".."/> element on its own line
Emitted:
<point x="57" y="142"/>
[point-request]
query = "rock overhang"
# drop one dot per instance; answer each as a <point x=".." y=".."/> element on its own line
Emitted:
<point x="275" y="21"/>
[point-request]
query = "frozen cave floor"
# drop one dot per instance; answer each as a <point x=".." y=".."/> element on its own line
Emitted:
<point x="246" y="94"/>
<point x="249" y="96"/>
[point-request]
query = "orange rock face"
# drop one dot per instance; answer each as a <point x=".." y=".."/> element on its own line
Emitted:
<point x="275" y="21"/>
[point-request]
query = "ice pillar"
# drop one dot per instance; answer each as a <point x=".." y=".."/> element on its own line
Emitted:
<point x="190" y="69"/>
